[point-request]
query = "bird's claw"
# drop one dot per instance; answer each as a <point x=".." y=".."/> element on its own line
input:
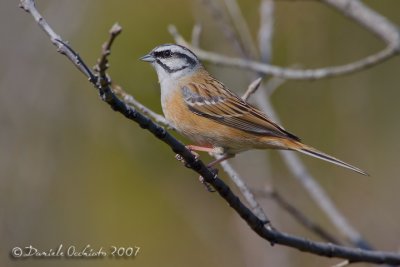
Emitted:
<point x="181" y="159"/>
<point x="208" y="186"/>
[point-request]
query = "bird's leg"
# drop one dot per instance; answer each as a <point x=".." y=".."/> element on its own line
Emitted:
<point x="200" y="148"/>
<point x="217" y="161"/>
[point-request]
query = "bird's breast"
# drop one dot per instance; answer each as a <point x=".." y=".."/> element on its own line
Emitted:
<point x="203" y="131"/>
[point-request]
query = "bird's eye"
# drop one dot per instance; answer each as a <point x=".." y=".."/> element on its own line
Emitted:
<point x="163" y="54"/>
<point x="166" y="53"/>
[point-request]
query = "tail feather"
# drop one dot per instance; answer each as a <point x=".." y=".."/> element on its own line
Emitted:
<point x="320" y="155"/>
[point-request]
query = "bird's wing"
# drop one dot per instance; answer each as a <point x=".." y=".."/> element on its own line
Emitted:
<point x="212" y="100"/>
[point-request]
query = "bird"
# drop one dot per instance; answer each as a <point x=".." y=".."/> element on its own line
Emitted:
<point x="212" y="116"/>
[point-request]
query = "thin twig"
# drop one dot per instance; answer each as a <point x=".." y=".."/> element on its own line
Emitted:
<point x="218" y="14"/>
<point x="342" y="264"/>
<point x="273" y="84"/>
<point x="236" y="16"/>
<point x="102" y="64"/>
<point x="196" y="34"/>
<point x="244" y="190"/>
<point x="287" y="73"/>
<point x="299" y="216"/>
<point x="371" y="20"/>
<point x="263" y="229"/>
<point x="131" y="101"/>
<point x="252" y="88"/>
<point x="62" y="47"/>
<point x="266" y="30"/>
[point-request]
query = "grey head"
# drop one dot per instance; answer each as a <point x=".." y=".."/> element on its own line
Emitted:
<point x="172" y="61"/>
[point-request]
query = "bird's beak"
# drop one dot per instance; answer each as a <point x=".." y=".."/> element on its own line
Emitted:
<point x="148" y="58"/>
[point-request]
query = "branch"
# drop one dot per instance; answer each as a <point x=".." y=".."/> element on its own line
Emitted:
<point x="102" y="64"/>
<point x="237" y="19"/>
<point x="244" y="189"/>
<point x="369" y="19"/>
<point x="196" y="34"/>
<point x="293" y="74"/>
<point x="266" y="30"/>
<point x="219" y="15"/>
<point x="342" y="264"/>
<point x="263" y="229"/>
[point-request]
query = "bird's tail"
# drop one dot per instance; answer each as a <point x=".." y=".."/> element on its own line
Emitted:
<point x="300" y="147"/>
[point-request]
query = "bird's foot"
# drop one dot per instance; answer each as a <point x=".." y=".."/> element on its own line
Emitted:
<point x="181" y="159"/>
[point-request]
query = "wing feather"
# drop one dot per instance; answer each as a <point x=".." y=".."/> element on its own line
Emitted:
<point x="215" y="102"/>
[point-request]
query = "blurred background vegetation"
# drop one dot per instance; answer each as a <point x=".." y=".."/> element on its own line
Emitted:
<point x="74" y="172"/>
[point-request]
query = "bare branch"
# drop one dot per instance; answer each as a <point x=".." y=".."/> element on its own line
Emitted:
<point x="342" y="264"/>
<point x="62" y="47"/>
<point x="101" y="67"/>
<point x="287" y="73"/>
<point x="244" y="189"/>
<point x="240" y="24"/>
<point x="357" y="11"/>
<point x="219" y="15"/>
<point x="369" y="19"/>
<point x="196" y="34"/>
<point x="102" y="64"/>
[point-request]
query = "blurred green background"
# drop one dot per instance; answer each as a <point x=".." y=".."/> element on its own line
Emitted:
<point x="74" y="172"/>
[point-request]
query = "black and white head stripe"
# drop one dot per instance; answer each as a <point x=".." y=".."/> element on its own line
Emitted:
<point x="173" y="58"/>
